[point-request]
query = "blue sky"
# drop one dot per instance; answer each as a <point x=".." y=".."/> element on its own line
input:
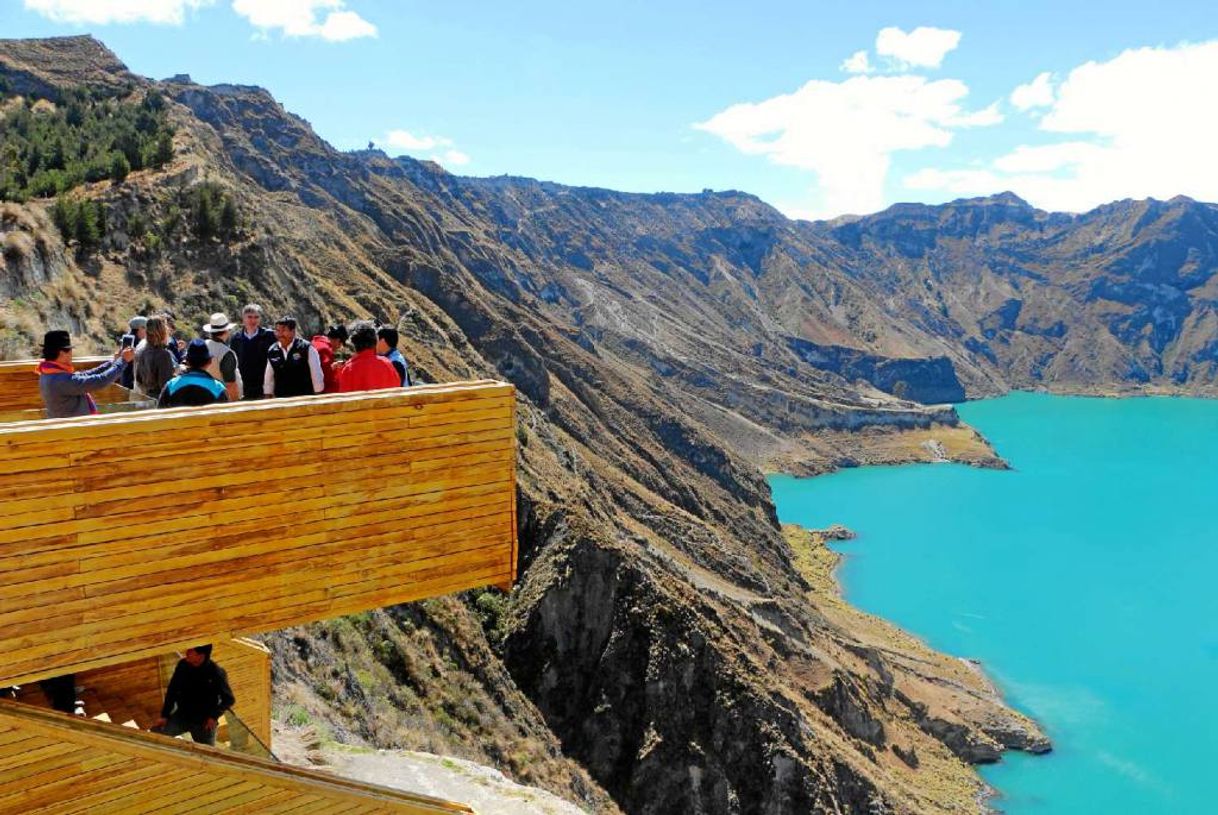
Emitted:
<point x="649" y="96"/>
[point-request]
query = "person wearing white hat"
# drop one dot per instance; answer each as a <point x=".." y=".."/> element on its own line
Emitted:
<point x="223" y="365"/>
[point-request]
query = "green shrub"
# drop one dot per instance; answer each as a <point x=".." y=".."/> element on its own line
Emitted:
<point x="119" y="167"/>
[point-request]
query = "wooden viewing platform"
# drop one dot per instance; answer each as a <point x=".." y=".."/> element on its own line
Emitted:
<point x="129" y="536"/>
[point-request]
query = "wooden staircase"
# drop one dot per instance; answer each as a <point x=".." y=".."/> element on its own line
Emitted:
<point x="55" y="764"/>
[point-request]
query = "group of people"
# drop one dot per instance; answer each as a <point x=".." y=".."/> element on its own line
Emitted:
<point x="229" y="362"/>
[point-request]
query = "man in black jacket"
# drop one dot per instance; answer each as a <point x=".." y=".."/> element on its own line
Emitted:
<point x="198" y="693"/>
<point x="293" y="366"/>
<point x="251" y="344"/>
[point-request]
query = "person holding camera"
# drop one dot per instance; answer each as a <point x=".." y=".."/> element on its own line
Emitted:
<point x="65" y="392"/>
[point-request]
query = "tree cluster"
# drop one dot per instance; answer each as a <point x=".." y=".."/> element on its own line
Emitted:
<point x="81" y="220"/>
<point x="213" y="213"/>
<point x="46" y="150"/>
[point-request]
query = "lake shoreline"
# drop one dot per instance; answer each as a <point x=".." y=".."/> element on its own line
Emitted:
<point x="1047" y="578"/>
<point x="945" y="713"/>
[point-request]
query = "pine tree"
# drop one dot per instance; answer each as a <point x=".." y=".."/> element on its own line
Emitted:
<point x="228" y="218"/>
<point x="90" y="224"/>
<point x="205" y="216"/>
<point x="163" y="153"/>
<point x="63" y="215"/>
<point x="119" y="168"/>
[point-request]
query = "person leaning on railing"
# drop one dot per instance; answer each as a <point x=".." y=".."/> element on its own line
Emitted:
<point x="155" y="364"/>
<point x="198" y="694"/>
<point x="65" y="392"/>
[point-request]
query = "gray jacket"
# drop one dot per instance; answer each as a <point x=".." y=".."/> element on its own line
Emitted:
<point x="67" y="394"/>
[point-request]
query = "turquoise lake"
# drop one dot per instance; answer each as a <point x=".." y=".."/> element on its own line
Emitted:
<point x="1084" y="580"/>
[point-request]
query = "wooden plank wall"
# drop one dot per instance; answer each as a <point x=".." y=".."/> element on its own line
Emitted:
<point x="248" y="665"/>
<point x="56" y="764"/>
<point x="141" y="533"/>
<point x="20" y="399"/>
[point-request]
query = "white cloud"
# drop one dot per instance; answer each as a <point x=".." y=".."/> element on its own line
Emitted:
<point x="106" y="12"/>
<point x="432" y="148"/>
<point x="405" y="140"/>
<point x="1048" y="158"/>
<point x="341" y="26"/>
<point x="857" y="63"/>
<point x="1036" y="94"/>
<point x="846" y="132"/>
<point x="302" y="18"/>
<point x="1136" y="126"/>
<point x="986" y="117"/>
<point x="924" y="47"/>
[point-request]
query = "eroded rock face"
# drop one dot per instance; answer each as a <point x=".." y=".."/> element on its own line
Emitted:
<point x="639" y="689"/>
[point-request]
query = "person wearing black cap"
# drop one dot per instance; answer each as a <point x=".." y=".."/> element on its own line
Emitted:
<point x="65" y="392"/>
<point x="195" y="386"/>
<point x="197" y="695"/>
<point x="328" y="345"/>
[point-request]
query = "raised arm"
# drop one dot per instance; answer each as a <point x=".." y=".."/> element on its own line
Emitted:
<point x="94" y="379"/>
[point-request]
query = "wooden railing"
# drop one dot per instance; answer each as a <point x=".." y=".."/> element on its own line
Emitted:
<point x="136" y="534"/>
<point x="52" y="763"/>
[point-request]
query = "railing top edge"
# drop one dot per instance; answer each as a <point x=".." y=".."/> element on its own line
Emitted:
<point x="414" y="394"/>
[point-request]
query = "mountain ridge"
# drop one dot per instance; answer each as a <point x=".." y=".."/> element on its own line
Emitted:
<point x="663" y="651"/>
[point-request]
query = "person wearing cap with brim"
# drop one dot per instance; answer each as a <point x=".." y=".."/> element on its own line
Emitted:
<point x="195" y="386"/>
<point x="66" y="393"/>
<point x="223" y="365"/>
<point x="137" y="327"/>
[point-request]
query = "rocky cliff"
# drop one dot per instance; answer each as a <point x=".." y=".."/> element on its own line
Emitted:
<point x="668" y="649"/>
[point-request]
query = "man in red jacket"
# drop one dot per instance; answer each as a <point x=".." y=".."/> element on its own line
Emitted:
<point x="327" y="346"/>
<point x="366" y="371"/>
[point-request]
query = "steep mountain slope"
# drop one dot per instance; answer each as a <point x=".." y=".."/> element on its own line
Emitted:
<point x="665" y="637"/>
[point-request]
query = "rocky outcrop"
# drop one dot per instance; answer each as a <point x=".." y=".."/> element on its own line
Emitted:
<point x="930" y="380"/>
